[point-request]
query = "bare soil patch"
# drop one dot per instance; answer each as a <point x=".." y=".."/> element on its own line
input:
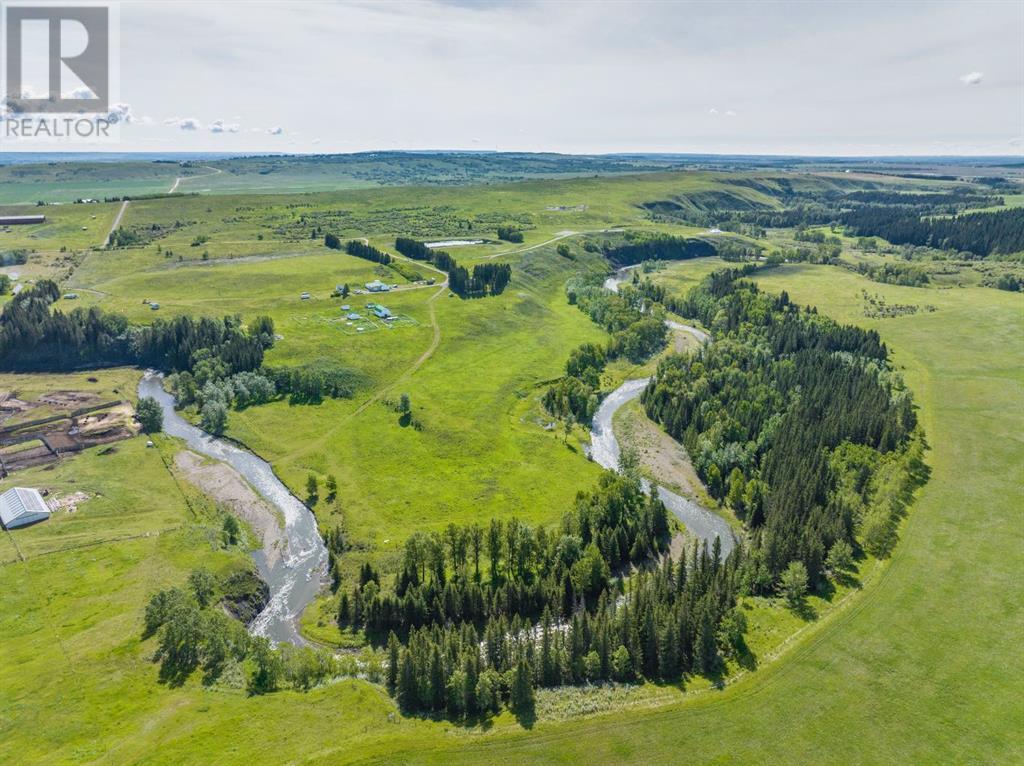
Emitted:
<point x="661" y="457"/>
<point x="225" y="485"/>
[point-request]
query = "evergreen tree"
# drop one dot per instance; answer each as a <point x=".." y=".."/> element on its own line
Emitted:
<point x="393" y="661"/>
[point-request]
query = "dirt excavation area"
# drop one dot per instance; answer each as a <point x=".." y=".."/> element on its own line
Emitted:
<point x="226" y="486"/>
<point x="38" y="430"/>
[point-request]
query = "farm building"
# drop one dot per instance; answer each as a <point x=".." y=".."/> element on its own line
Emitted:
<point x="381" y="312"/>
<point x="20" y="506"/>
<point x="18" y="220"/>
<point x="376" y="286"/>
<point x="353" y="316"/>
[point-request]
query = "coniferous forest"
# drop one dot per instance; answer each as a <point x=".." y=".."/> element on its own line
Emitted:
<point x="786" y="416"/>
<point x="983" y="234"/>
<point x="32" y="337"/>
<point x="480" y="616"/>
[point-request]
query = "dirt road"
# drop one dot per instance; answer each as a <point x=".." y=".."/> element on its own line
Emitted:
<point x="117" y="222"/>
<point x="179" y="179"/>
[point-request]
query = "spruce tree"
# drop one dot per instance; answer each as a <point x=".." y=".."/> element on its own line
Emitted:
<point x="393" y="656"/>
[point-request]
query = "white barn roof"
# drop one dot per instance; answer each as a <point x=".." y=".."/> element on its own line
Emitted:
<point x="20" y="506"/>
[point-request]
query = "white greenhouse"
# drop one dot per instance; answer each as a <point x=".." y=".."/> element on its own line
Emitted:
<point x="20" y="506"/>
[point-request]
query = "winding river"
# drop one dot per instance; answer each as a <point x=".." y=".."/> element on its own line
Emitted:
<point x="294" y="577"/>
<point x="605" y="451"/>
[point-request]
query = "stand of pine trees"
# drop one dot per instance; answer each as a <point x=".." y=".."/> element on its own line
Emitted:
<point x="980" y="233"/>
<point x="485" y="279"/>
<point x="660" y="248"/>
<point x="367" y="252"/>
<point x="477" y="617"/>
<point x="34" y="336"/>
<point x="764" y="410"/>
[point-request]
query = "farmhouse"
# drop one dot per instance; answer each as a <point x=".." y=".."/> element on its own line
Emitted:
<point x="381" y="312"/>
<point x="20" y="506"/>
<point x="18" y="220"/>
<point x="376" y="286"/>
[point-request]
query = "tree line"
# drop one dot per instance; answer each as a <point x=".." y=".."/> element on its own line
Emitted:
<point x="34" y="336"/>
<point x="366" y="252"/>
<point x="764" y="409"/>
<point x="636" y="333"/>
<point x="659" y="248"/>
<point x="485" y="279"/>
<point x="983" y="234"/>
<point x="477" y="616"/>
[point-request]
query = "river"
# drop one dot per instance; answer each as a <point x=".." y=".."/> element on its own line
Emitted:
<point x="605" y="450"/>
<point x="295" y="577"/>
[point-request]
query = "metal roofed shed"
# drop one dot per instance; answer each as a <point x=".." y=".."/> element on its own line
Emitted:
<point x="20" y="506"/>
<point x="21" y="220"/>
<point x="376" y="286"/>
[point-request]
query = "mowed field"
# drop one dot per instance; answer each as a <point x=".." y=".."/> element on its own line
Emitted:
<point x="920" y="667"/>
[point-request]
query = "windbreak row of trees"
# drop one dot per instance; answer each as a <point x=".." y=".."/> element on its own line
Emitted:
<point x="636" y="333"/>
<point x="766" y="407"/>
<point x="34" y="336"/>
<point x="365" y="251"/>
<point x="480" y="615"/>
<point x="485" y="279"/>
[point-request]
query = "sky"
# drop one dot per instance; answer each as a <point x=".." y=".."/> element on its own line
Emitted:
<point x="857" y="78"/>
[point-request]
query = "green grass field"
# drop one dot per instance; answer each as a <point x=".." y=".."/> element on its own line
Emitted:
<point x="918" y="666"/>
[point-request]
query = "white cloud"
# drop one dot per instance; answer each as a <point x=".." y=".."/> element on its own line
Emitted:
<point x="82" y="92"/>
<point x="712" y="111"/>
<point x="189" y="123"/>
<point x="971" y="78"/>
<point x="121" y="113"/>
<point x="730" y="113"/>
<point x="28" y="91"/>
<point x="892" y="55"/>
<point x="277" y="130"/>
<point x="219" y="126"/>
